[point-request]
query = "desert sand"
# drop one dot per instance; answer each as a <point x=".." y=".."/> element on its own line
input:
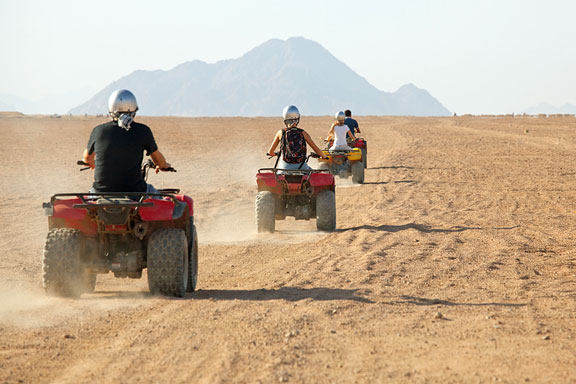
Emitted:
<point x="454" y="262"/>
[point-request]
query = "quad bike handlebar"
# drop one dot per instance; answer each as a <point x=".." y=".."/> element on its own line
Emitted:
<point x="148" y="165"/>
<point x="81" y="162"/>
<point x="349" y="140"/>
<point x="312" y="154"/>
<point x="275" y="169"/>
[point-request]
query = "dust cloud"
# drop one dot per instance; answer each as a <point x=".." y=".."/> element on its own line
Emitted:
<point x="29" y="307"/>
<point x="226" y="205"/>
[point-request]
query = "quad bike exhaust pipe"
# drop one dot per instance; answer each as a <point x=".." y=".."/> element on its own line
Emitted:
<point x="140" y="230"/>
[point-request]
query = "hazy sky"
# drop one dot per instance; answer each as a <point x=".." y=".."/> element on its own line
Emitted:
<point x="487" y="56"/>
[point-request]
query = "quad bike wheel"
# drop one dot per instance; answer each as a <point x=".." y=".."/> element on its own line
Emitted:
<point x="168" y="262"/>
<point x="358" y="173"/>
<point x="192" y="259"/>
<point x="326" y="211"/>
<point x="62" y="270"/>
<point x="265" y="212"/>
<point x="364" y="157"/>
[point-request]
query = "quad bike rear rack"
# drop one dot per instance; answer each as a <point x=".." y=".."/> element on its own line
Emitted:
<point x="292" y="171"/>
<point x="291" y="176"/>
<point x="92" y="196"/>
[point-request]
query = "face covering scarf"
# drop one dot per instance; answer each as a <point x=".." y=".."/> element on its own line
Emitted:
<point x="125" y="120"/>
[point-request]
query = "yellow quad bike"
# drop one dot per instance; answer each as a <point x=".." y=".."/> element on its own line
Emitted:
<point x="344" y="163"/>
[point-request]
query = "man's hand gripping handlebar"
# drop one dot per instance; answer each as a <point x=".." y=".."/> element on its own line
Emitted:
<point x="312" y="154"/>
<point x="149" y="164"/>
<point x="82" y="162"/>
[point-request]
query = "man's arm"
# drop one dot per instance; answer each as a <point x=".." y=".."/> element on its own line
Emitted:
<point x="89" y="158"/>
<point x="160" y="161"/>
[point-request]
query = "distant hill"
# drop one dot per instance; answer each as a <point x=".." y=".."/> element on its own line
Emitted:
<point x="14" y="103"/>
<point x="549" y="109"/>
<point x="56" y="103"/>
<point x="261" y="82"/>
<point x="6" y="107"/>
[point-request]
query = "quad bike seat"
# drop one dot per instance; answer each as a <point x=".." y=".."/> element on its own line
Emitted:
<point x="294" y="178"/>
<point x="111" y="214"/>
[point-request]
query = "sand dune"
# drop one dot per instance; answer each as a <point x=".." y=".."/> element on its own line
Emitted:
<point x="454" y="262"/>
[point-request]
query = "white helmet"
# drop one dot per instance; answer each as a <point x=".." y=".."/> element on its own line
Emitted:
<point x="340" y="116"/>
<point x="122" y="101"/>
<point x="291" y="115"/>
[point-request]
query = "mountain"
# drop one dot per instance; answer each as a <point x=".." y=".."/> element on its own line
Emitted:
<point x="261" y="82"/>
<point x="549" y="109"/>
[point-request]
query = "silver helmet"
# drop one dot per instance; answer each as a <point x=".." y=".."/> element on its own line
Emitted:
<point x="340" y="116"/>
<point x="122" y="101"/>
<point x="291" y="115"/>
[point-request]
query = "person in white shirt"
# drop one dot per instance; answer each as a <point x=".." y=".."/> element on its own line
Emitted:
<point x="338" y="132"/>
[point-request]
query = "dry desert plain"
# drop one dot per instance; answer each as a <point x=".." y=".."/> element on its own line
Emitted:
<point x="454" y="262"/>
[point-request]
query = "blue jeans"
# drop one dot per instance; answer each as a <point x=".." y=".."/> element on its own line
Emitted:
<point x="292" y="167"/>
<point x="149" y="189"/>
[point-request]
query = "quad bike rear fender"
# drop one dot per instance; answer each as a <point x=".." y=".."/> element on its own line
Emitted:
<point x="355" y="155"/>
<point x="318" y="180"/>
<point x="266" y="179"/>
<point x="63" y="214"/>
<point x="360" y="143"/>
<point x="167" y="208"/>
<point x="268" y="182"/>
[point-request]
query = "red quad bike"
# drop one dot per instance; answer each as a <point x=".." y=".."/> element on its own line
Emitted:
<point x="123" y="233"/>
<point x="363" y="145"/>
<point x="303" y="194"/>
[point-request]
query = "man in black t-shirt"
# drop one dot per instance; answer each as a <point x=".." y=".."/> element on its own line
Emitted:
<point x="116" y="149"/>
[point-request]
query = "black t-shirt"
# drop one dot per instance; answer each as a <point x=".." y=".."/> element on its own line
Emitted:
<point x="119" y="155"/>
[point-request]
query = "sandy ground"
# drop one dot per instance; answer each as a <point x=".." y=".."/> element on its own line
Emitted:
<point x="454" y="262"/>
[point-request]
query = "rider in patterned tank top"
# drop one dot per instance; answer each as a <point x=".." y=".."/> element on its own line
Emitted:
<point x="292" y="142"/>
